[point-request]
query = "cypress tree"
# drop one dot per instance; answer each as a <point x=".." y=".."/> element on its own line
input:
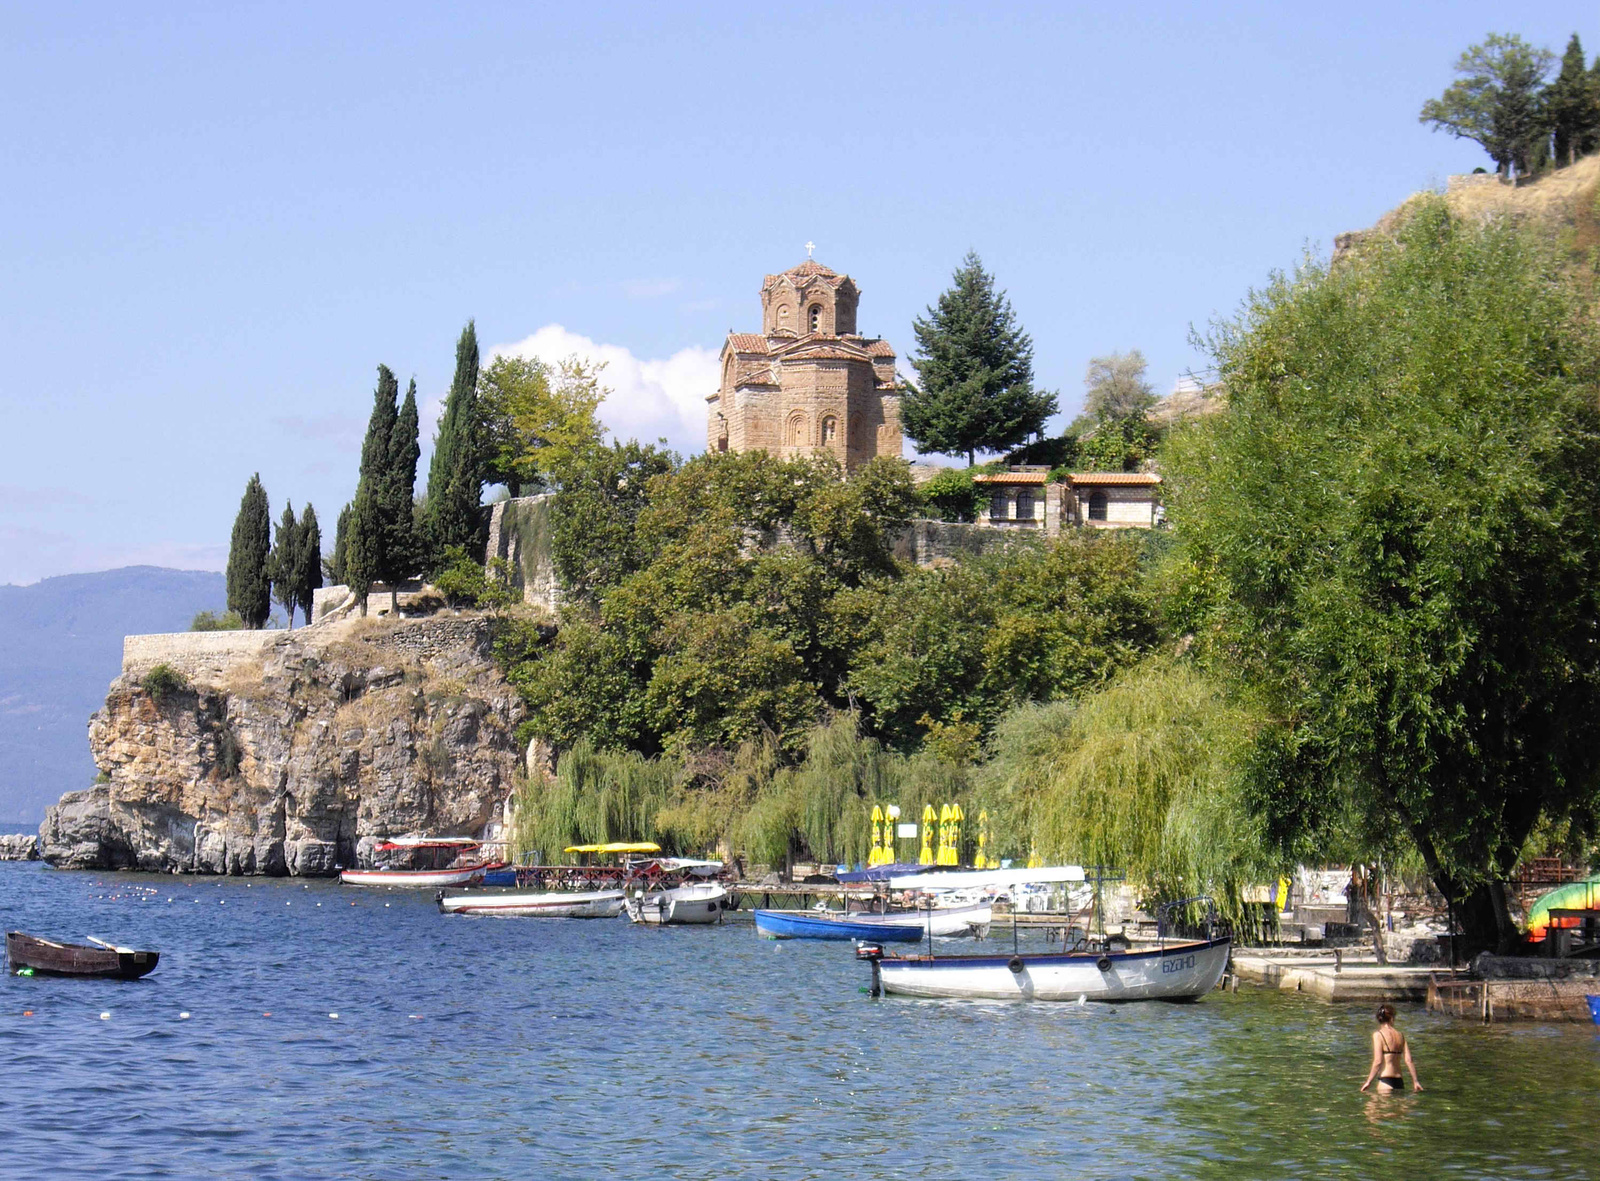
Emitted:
<point x="455" y="472"/>
<point x="399" y="494"/>
<point x="366" y="535"/>
<point x="1571" y="104"/>
<point x="308" y="569"/>
<point x="249" y="582"/>
<point x="341" y="545"/>
<point x="285" y="561"/>
<point x="976" y="370"/>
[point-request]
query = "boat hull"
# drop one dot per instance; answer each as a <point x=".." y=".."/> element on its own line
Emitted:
<point x="48" y="958"/>
<point x="416" y="879"/>
<point x="780" y="924"/>
<point x="1178" y="972"/>
<point x="528" y="904"/>
<point x="682" y="905"/>
<point x="949" y="923"/>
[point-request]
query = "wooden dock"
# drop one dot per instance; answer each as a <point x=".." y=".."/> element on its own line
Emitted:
<point x="1512" y="1000"/>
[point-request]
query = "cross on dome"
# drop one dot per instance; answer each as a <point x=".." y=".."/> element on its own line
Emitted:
<point x="810" y="246"/>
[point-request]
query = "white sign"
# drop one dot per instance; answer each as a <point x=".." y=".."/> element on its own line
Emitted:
<point x="903" y="831"/>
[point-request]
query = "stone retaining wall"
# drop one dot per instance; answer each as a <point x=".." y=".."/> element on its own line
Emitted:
<point x="205" y="654"/>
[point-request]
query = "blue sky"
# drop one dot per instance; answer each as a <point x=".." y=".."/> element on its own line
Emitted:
<point x="216" y="220"/>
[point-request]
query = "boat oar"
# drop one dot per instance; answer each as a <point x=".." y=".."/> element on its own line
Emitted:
<point x="108" y="946"/>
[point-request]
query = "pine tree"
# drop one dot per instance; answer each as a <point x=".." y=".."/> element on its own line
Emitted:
<point x="334" y="567"/>
<point x="366" y="535"/>
<point x="249" y="582"/>
<point x="285" y="562"/>
<point x="399" y="560"/>
<point x="455" y="473"/>
<point x="976" y="372"/>
<point x="1570" y="101"/>
<point x="308" y="569"/>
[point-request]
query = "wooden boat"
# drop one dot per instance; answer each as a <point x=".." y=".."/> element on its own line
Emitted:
<point x="465" y="875"/>
<point x="816" y="924"/>
<point x="1182" y="971"/>
<point x="29" y="953"/>
<point x="693" y="902"/>
<point x="941" y="922"/>
<point x="553" y="904"/>
<point x="443" y="854"/>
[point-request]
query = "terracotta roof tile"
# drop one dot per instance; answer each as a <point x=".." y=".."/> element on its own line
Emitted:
<point x="747" y="342"/>
<point x="1011" y="478"/>
<point x="879" y="348"/>
<point x="1148" y="479"/>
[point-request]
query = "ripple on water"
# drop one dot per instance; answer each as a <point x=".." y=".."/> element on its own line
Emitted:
<point x="540" y="1048"/>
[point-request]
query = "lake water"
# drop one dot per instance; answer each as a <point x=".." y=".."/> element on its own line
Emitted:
<point x="547" y="1048"/>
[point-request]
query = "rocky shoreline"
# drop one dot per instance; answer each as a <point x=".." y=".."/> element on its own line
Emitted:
<point x="295" y="758"/>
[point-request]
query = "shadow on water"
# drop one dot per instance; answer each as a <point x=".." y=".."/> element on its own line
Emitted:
<point x="500" y="1048"/>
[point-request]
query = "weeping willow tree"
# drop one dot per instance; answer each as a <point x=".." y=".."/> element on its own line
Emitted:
<point x="750" y="804"/>
<point x="1140" y="775"/>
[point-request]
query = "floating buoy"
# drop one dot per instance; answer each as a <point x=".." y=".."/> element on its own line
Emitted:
<point x="333" y="1016"/>
<point x="266" y="1014"/>
<point x="24" y="971"/>
<point x="27" y="1012"/>
<point x="415" y="1016"/>
<point x="105" y="1016"/>
<point x="183" y="1016"/>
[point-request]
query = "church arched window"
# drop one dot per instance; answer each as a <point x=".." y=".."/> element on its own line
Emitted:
<point x="816" y="317"/>
<point x="1097" y="505"/>
<point x="797" y="430"/>
<point x="830" y="430"/>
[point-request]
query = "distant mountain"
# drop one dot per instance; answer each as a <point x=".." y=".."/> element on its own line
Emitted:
<point x="60" y="647"/>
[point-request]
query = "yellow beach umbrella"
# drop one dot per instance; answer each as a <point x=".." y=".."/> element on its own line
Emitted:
<point x="875" y="855"/>
<point x="929" y="818"/>
<point x="955" y="833"/>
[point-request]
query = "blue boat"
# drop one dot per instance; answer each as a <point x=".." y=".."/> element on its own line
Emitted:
<point x="1594" y="1008"/>
<point x="790" y="924"/>
<point x="500" y="877"/>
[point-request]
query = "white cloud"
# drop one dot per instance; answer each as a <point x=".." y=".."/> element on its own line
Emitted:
<point x="649" y="399"/>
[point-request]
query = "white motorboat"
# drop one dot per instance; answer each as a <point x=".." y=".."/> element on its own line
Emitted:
<point x="693" y="902"/>
<point x="1173" y="972"/>
<point x="947" y="922"/>
<point x="554" y="904"/>
<point x="441" y="864"/>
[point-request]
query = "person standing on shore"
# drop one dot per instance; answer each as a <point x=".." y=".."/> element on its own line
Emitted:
<point x="1389" y="1049"/>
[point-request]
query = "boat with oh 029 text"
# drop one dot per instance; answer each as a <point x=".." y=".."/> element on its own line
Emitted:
<point x="556" y="891"/>
<point x="1172" y="971"/>
<point x="29" y="955"/>
<point x="430" y="863"/>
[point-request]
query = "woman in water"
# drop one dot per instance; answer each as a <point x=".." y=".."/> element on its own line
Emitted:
<point x="1389" y="1047"/>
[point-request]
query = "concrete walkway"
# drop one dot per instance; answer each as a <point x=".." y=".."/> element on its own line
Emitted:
<point x="1362" y="980"/>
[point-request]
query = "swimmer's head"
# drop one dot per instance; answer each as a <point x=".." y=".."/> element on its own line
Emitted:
<point x="1385" y="1014"/>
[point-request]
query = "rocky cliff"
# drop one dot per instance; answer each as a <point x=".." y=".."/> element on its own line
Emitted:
<point x="295" y="757"/>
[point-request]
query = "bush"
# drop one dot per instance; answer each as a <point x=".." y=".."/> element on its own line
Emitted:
<point x="163" y="680"/>
<point x="951" y="495"/>
<point x="211" y="621"/>
<point x="465" y="583"/>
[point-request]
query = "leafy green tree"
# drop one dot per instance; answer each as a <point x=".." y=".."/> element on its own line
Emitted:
<point x="450" y="513"/>
<point x="1497" y="101"/>
<point x="603" y="490"/>
<point x="976" y="372"/>
<point x="249" y="578"/>
<point x="538" y="418"/>
<point x="210" y="621"/>
<point x="1400" y="514"/>
<point x="369" y="532"/>
<point x="1116" y="386"/>
<point x="1573" y="106"/>
<point x="950" y="495"/>
<point x="308" y="566"/>
<point x="284" y="564"/>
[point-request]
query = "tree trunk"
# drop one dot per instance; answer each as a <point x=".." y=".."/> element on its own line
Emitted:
<point x="394" y="601"/>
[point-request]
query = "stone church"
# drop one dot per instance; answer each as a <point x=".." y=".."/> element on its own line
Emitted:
<point x="807" y="381"/>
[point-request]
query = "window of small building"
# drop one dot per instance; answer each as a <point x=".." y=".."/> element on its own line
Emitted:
<point x="1025" y="505"/>
<point x="816" y="317"/>
<point x="1097" y="505"/>
<point x="997" y="507"/>
<point x="830" y="428"/>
